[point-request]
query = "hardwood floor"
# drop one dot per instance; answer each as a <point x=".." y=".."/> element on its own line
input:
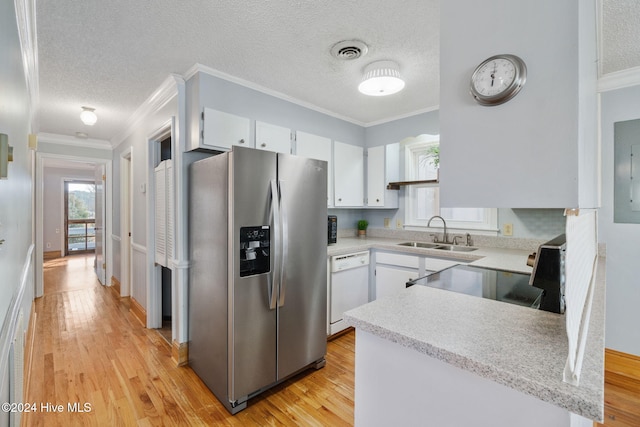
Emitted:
<point x="89" y="349"/>
<point x="621" y="390"/>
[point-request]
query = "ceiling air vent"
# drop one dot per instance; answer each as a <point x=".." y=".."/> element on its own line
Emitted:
<point x="349" y="49"/>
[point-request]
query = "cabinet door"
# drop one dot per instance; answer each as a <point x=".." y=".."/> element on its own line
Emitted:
<point x="375" y="176"/>
<point x="317" y="147"/>
<point x="222" y="130"/>
<point x="390" y="280"/>
<point x="437" y="264"/>
<point x="348" y="163"/>
<point x="273" y="138"/>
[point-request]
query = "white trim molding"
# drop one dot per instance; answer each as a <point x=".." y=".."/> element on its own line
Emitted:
<point x="158" y="99"/>
<point x="52" y="138"/>
<point x="138" y="248"/>
<point x="26" y="19"/>
<point x="619" y="79"/>
<point x="199" y="68"/>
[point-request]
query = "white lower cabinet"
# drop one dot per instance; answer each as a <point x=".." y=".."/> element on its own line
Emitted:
<point x="394" y="270"/>
<point x="391" y="280"/>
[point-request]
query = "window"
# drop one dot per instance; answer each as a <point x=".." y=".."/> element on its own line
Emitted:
<point x="79" y="217"/>
<point x="422" y="201"/>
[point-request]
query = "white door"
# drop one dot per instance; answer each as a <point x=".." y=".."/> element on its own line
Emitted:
<point x="273" y="138"/>
<point x="391" y="280"/>
<point x="348" y="164"/>
<point x="100" y="265"/>
<point x="376" y="176"/>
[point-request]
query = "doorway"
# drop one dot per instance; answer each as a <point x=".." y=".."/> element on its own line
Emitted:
<point x="79" y="217"/>
<point x="166" y="276"/>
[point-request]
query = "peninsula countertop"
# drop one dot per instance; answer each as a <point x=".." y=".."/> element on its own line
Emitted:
<point x="518" y="347"/>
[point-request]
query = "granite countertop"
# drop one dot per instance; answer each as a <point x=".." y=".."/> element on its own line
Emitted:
<point x="498" y="258"/>
<point x="515" y="346"/>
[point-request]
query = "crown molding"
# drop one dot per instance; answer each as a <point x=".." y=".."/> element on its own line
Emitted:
<point x="199" y="68"/>
<point x="402" y="116"/>
<point x="53" y="138"/>
<point x="158" y="99"/>
<point x="26" y="22"/>
<point x="619" y="79"/>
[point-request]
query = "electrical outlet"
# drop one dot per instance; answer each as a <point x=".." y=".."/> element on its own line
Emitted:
<point x="387" y="222"/>
<point x="399" y="223"/>
<point x="48" y="245"/>
<point x="507" y="229"/>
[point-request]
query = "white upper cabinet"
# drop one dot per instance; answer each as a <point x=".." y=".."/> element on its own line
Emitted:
<point x="317" y="147"/>
<point x="219" y="131"/>
<point x="222" y="130"/>
<point x="273" y="138"/>
<point x="539" y="149"/>
<point x="383" y="166"/>
<point x="348" y="175"/>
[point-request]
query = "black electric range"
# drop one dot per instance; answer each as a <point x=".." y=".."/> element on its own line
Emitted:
<point x="499" y="285"/>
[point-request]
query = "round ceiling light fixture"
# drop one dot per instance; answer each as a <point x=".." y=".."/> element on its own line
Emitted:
<point x="88" y="116"/>
<point x="381" y="78"/>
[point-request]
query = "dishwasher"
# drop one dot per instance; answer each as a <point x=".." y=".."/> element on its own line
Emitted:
<point x="349" y="286"/>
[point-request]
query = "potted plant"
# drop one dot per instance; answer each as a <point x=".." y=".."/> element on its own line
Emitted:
<point x="432" y="155"/>
<point x="362" y="227"/>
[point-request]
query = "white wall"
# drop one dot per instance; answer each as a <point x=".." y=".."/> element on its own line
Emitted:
<point x="53" y="203"/>
<point x="16" y="191"/>
<point x="622" y="240"/>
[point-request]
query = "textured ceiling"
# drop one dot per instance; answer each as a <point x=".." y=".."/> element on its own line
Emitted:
<point x="111" y="55"/>
<point x="620" y="35"/>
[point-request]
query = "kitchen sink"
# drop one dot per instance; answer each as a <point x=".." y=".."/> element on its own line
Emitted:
<point x="420" y="245"/>
<point x="438" y="246"/>
<point x="456" y="248"/>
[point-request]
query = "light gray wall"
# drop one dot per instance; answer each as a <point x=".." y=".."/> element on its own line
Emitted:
<point x="527" y="223"/>
<point x="539" y="130"/>
<point x="397" y="130"/>
<point x="138" y="142"/>
<point x="53" y="203"/>
<point x="623" y="250"/>
<point x="16" y="190"/>
<point x="232" y="98"/>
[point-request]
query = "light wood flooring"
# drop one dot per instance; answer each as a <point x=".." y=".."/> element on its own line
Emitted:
<point x="90" y="349"/>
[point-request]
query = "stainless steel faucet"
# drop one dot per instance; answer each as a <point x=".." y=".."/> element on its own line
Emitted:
<point x="445" y="236"/>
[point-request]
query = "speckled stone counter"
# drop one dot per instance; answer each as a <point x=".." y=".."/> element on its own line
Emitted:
<point x="518" y="347"/>
<point x="500" y="258"/>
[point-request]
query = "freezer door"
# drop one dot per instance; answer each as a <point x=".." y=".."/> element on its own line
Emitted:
<point x="252" y="334"/>
<point x="302" y="299"/>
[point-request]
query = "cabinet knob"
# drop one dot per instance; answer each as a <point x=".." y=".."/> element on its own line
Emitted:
<point x="263" y="145"/>
<point x="241" y="141"/>
<point x="377" y="200"/>
<point x="339" y="200"/>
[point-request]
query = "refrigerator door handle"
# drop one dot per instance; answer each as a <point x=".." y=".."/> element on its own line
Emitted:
<point x="275" y="273"/>
<point x="285" y="244"/>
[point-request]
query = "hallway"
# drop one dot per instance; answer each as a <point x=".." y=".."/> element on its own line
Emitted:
<point x="89" y="350"/>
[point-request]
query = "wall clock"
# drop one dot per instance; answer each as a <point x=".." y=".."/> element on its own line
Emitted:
<point x="498" y="79"/>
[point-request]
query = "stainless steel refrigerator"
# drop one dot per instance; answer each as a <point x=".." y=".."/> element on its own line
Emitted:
<point x="258" y="274"/>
